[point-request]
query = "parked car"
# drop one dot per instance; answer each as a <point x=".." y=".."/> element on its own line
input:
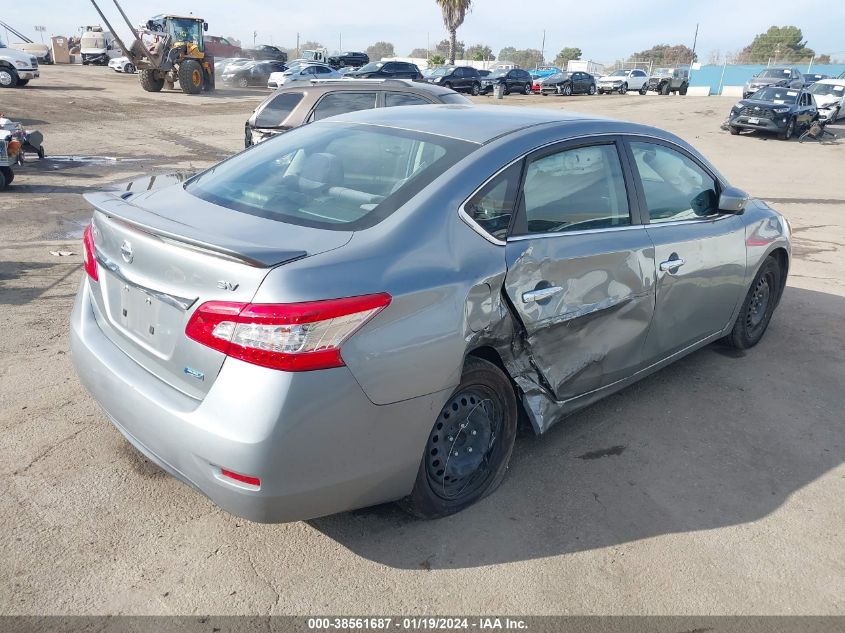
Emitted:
<point x="302" y="72"/>
<point x="544" y="71"/>
<point x="16" y="68"/>
<point x="829" y="95"/>
<point x="669" y="80"/>
<point x="776" y="109"/>
<point x="292" y="106"/>
<point x="512" y="80"/>
<point x="779" y="76"/>
<point x="217" y="46"/>
<point x="568" y="84"/>
<point x="349" y="58"/>
<point x="265" y="51"/>
<point x="122" y="65"/>
<point x="623" y="80"/>
<point x="308" y="339"/>
<point x="484" y="73"/>
<point x="458" y="78"/>
<point x="812" y="78"/>
<point x="251" y="74"/>
<point x="387" y="70"/>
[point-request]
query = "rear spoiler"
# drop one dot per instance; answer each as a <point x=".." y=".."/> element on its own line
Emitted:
<point x="116" y="205"/>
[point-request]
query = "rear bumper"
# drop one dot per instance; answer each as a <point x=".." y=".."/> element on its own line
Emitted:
<point x="316" y="442"/>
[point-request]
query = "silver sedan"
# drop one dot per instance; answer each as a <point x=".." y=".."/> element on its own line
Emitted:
<point x="360" y="310"/>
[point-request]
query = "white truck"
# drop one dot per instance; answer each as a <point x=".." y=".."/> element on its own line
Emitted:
<point x="16" y="68"/>
<point x="97" y="46"/>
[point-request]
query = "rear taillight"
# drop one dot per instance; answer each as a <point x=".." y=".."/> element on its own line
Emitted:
<point x="291" y="337"/>
<point x="90" y="260"/>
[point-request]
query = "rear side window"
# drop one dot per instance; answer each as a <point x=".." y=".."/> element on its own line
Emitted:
<point x="341" y="102"/>
<point x="494" y="204"/>
<point x="399" y="99"/>
<point x="576" y="189"/>
<point x="330" y="175"/>
<point x="278" y="109"/>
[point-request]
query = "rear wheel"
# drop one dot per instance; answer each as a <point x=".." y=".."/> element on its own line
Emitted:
<point x="758" y="307"/>
<point x="664" y="88"/>
<point x="190" y="77"/>
<point x="469" y="446"/>
<point x="151" y="81"/>
<point x="243" y="82"/>
<point x="8" y="78"/>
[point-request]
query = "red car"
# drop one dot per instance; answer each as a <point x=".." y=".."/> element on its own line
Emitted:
<point x="220" y="47"/>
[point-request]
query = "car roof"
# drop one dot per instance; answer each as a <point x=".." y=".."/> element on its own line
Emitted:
<point x="406" y="85"/>
<point x="477" y="124"/>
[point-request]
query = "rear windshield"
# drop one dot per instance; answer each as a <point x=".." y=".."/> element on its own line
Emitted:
<point x="329" y="175"/>
<point x="277" y="109"/>
<point x="775" y="73"/>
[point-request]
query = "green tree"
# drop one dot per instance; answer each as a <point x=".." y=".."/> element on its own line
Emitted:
<point x="310" y="45"/>
<point x="778" y="44"/>
<point x="823" y="59"/>
<point x="524" y="58"/>
<point x="666" y="55"/>
<point x="454" y="12"/>
<point x="480" y="53"/>
<point x="419" y="52"/>
<point x="380" y="50"/>
<point x="436" y="60"/>
<point x="568" y="53"/>
<point x="443" y="47"/>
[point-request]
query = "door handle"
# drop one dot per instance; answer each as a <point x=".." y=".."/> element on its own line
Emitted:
<point x="671" y="265"/>
<point x="540" y="294"/>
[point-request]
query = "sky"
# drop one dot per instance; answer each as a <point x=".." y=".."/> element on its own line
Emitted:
<point x="605" y="31"/>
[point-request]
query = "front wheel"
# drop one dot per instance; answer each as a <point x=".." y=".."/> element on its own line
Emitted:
<point x="623" y="89"/>
<point x="644" y="89"/>
<point x="476" y="89"/>
<point x="758" y="307"/>
<point x="592" y="90"/>
<point x="130" y="69"/>
<point x="733" y="129"/>
<point x="664" y="88"/>
<point x="151" y="80"/>
<point x="8" y="78"/>
<point x="469" y="446"/>
<point x="683" y="89"/>
<point x="190" y="77"/>
<point x="526" y="89"/>
<point x="789" y="131"/>
<point x="567" y="90"/>
<point x="506" y="90"/>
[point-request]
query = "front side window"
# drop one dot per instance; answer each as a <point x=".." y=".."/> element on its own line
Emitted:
<point x="675" y="186"/>
<point x="576" y="189"/>
<point x="341" y="102"/>
<point x="277" y="109"/>
<point x="494" y="204"/>
<point x="330" y="176"/>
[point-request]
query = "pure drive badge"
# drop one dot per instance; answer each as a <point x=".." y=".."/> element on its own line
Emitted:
<point x="195" y="373"/>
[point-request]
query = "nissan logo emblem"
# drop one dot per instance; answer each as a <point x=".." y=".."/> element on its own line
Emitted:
<point x="126" y="251"/>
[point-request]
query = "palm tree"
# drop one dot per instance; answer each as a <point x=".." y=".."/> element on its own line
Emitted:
<point x="454" y="12"/>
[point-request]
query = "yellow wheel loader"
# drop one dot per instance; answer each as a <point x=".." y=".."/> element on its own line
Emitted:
<point x="166" y="50"/>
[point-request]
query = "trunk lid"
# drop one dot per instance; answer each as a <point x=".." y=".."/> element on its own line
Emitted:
<point x="162" y="253"/>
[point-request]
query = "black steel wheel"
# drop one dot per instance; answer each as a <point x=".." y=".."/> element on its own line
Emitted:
<point x="758" y="307"/>
<point x="469" y="446"/>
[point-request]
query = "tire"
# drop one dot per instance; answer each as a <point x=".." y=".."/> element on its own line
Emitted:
<point x="8" y="78"/>
<point x="448" y="86"/>
<point x="623" y="89"/>
<point x="129" y="69"/>
<point x="506" y="91"/>
<point x="526" y="90"/>
<point x="22" y="82"/>
<point x="733" y="129"/>
<point x="243" y="82"/>
<point x="191" y="77"/>
<point x="8" y="175"/>
<point x="567" y="90"/>
<point x="644" y="89"/>
<point x="664" y="88"/>
<point x="683" y="90"/>
<point x="481" y="414"/>
<point x="789" y="132"/>
<point x="4" y="180"/>
<point x="758" y="307"/>
<point x="601" y="92"/>
<point x="476" y="89"/>
<point x="591" y="90"/>
<point x="151" y="81"/>
<point x="40" y="152"/>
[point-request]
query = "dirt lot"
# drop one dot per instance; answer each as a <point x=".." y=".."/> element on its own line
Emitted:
<point x="723" y="494"/>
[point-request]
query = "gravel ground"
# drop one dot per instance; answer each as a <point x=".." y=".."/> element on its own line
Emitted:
<point x="723" y="494"/>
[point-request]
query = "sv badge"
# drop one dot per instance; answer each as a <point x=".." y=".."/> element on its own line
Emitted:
<point x="227" y="285"/>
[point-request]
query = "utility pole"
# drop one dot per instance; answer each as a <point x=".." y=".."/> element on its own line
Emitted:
<point x="297" y="45"/>
<point x="543" y="49"/>
<point x="254" y="35"/>
<point x="694" y="42"/>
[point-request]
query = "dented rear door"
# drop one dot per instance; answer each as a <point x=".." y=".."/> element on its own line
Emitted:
<point x="580" y="269"/>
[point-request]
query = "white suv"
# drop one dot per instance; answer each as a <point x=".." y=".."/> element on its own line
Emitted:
<point x="622" y="81"/>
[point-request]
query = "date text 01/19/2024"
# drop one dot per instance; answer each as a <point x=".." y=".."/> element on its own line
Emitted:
<point x="429" y="623"/>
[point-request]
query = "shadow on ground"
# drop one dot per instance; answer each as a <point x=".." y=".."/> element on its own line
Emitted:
<point x="719" y="438"/>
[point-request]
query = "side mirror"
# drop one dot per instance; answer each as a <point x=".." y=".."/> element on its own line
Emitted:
<point x="733" y="201"/>
<point x="205" y="26"/>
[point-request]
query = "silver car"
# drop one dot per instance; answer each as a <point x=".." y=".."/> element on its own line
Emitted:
<point x="360" y="310"/>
